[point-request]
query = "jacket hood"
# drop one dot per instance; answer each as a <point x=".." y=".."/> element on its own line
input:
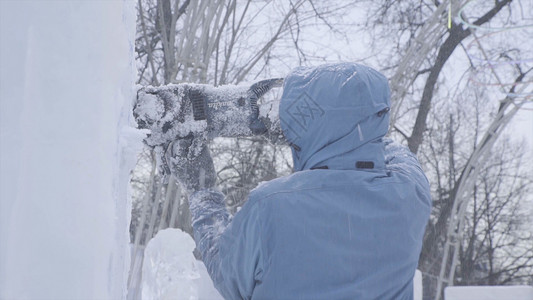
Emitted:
<point x="335" y="116"/>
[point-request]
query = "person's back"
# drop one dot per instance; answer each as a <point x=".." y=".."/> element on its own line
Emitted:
<point x="338" y="234"/>
<point x="348" y="224"/>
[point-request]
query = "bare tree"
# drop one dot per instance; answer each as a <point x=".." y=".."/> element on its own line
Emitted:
<point x="454" y="139"/>
<point x="424" y="50"/>
<point x="216" y="42"/>
<point x="498" y="248"/>
<point x="219" y="42"/>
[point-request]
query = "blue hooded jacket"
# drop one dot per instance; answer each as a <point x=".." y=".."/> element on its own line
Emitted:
<point x="347" y="224"/>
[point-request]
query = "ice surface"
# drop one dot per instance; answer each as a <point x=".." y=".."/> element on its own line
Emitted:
<point x="206" y="288"/>
<point x="170" y="270"/>
<point x="67" y="145"/>
<point x="488" y="293"/>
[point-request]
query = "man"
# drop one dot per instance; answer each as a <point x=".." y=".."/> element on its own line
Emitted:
<point x="347" y="224"/>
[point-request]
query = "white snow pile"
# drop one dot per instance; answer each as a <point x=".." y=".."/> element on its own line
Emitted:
<point x="417" y="286"/>
<point x="170" y="270"/>
<point x="488" y="293"/>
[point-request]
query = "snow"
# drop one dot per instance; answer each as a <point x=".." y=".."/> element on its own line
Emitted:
<point x="157" y="107"/>
<point x="67" y="145"/>
<point x="170" y="270"/>
<point x="488" y="293"/>
<point x="417" y="285"/>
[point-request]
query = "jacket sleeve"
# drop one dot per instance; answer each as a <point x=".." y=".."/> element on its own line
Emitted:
<point x="400" y="159"/>
<point x="230" y="249"/>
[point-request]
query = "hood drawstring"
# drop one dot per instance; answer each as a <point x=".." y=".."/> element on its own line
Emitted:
<point x="361" y="137"/>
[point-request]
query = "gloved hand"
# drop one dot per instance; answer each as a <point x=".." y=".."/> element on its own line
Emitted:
<point x="191" y="163"/>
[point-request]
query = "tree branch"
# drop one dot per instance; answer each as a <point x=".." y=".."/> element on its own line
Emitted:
<point x="456" y="36"/>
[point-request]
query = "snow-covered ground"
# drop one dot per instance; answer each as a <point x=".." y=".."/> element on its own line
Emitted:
<point x="489" y="293"/>
<point x="66" y="147"/>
